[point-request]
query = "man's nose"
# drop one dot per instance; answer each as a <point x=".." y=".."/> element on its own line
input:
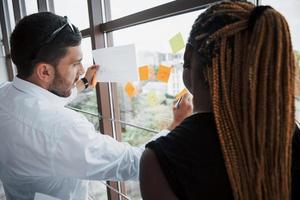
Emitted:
<point x="81" y="70"/>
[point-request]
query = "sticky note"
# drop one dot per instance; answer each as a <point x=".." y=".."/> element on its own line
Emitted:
<point x="181" y="93"/>
<point x="152" y="98"/>
<point x="163" y="73"/>
<point x="130" y="89"/>
<point x="144" y="73"/>
<point x="176" y="43"/>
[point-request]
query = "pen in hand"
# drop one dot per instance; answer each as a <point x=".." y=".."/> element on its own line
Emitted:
<point x="178" y="102"/>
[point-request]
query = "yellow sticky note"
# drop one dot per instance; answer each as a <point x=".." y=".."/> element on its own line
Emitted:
<point x="152" y="98"/>
<point x="176" y="43"/>
<point x="144" y="72"/>
<point x="163" y="73"/>
<point x="181" y="93"/>
<point x="130" y="89"/>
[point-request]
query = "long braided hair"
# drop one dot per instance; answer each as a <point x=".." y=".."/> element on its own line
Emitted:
<point x="247" y="59"/>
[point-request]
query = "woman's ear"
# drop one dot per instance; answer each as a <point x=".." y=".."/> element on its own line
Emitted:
<point x="44" y="72"/>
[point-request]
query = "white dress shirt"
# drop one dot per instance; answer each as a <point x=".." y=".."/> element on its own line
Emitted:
<point x="49" y="149"/>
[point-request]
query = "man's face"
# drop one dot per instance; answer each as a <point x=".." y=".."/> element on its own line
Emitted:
<point x="67" y="72"/>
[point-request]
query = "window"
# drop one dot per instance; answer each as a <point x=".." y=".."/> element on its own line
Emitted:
<point x="11" y="15"/>
<point x="31" y="6"/>
<point x="97" y="190"/>
<point x="289" y="9"/>
<point x="86" y="102"/>
<point x="86" y="47"/>
<point x="2" y="194"/>
<point x="121" y="8"/>
<point x="151" y="108"/>
<point x="3" y="70"/>
<point x="76" y="10"/>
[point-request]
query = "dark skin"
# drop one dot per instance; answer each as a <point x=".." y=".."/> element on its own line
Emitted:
<point x="153" y="183"/>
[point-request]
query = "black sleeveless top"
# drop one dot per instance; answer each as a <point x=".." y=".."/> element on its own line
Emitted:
<point x="191" y="159"/>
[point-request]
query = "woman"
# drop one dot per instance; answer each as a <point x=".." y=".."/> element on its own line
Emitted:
<point x="239" y="66"/>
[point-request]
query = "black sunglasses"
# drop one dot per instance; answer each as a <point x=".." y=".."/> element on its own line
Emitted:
<point x="58" y="30"/>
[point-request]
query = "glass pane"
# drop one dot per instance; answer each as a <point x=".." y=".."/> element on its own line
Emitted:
<point x="2" y="194"/>
<point x="289" y="9"/>
<point x="11" y="15"/>
<point x="76" y="10"/>
<point x="31" y="6"/>
<point x="133" y="190"/>
<point x="121" y="8"/>
<point x="86" y="104"/>
<point x="3" y="70"/>
<point x="87" y="100"/>
<point x="154" y="97"/>
<point x="152" y="106"/>
<point x="97" y="191"/>
<point x="252" y="1"/>
<point x="86" y="47"/>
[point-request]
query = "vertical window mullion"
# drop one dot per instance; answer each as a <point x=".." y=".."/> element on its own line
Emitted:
<point x="51" y="6"/>
<point x="102" y="89"/>
<point x="17" y="10"/>
<point x="114" y="91"/>
<point x="42" y="5"/>
<point x="258" y="2"/>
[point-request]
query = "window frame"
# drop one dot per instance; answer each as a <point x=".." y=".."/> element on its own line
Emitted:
<point x="100" y="31"/>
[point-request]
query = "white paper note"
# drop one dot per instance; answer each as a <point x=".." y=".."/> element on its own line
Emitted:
<point x="117" y="64"/>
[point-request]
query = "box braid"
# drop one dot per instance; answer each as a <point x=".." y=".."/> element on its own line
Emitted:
<point x="247" y="59"/>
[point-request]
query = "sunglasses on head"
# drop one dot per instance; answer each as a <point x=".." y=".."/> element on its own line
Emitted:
<point x="58" y="30"/>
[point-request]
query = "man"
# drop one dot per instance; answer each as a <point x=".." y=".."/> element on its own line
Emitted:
<point x="45" y="147"/>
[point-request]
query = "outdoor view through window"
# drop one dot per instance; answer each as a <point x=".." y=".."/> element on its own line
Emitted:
<point x="151" y="106"/>
<point x="149" y="109"/>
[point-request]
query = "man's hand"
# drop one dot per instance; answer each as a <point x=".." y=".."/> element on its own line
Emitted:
<point x="89" y="75"/>
<point x="181" y="109"/>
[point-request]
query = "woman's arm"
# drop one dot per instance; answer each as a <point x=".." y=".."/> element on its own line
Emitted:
<point x="153" y="183"/>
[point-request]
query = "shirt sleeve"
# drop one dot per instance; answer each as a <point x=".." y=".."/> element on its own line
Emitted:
<point x="83" y="153"/>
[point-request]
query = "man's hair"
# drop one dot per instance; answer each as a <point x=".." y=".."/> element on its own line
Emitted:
<point x="30" y="41"/>
<point x="247" y="58"/>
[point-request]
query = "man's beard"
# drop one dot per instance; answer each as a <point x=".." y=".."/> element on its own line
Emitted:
<point x="57" y="86"/>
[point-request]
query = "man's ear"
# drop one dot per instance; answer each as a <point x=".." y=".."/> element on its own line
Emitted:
<point x="45" y="72"/>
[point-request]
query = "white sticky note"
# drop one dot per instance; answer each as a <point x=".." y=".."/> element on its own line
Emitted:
<point x="117" y="64"/>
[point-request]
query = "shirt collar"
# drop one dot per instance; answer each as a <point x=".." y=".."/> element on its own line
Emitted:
<point x="37" y="91"/>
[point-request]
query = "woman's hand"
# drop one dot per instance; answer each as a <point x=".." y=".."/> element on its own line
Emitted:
<point x="181" y="110"/>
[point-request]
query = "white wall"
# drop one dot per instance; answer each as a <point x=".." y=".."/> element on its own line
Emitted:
<point x="3" y="69"/>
